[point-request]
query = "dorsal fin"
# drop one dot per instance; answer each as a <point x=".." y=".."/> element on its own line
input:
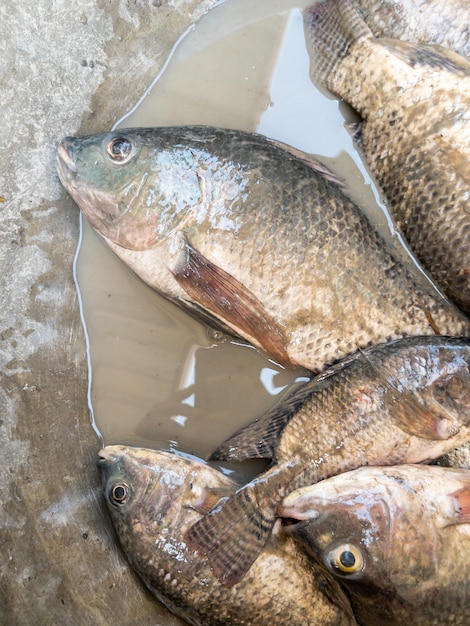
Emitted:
<point x="260" y="438"/>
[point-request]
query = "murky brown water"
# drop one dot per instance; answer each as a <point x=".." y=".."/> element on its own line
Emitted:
<point x="159" y="377"/>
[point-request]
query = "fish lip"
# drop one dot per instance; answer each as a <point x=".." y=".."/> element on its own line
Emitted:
<point x="294" y="518"/>
<point x="106" y="458"/>
<point x="66" y="165"/>
<point x="291" y="525"/>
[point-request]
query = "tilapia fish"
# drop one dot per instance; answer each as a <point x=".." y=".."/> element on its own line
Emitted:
<point x="153" y="497"/>
<point x="398" y="538"/>
<point x="414" y="102"/>
<point x="262" y="239"/>
<point x="437" y="22"/>
<point x="460" y="457"/>
<point x="405" y="402"/>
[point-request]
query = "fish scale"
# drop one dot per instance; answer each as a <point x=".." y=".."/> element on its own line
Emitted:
<point x="442" y="22"/>
<point x="163" y="492"/>
<point x="408" y="530"/>
<point x="403" y="402"/>
<point x="259" y="236"/>
<point x="414" y="102"/>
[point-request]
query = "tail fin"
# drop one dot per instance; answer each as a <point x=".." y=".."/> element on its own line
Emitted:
<point x="233" y="534"/>
<point x="331" y="27"/>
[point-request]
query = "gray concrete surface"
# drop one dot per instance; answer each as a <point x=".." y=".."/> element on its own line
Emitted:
<point x="67" y="67"/>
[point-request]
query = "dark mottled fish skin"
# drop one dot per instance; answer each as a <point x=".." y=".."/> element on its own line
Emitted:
<point x="397" y="538"/>
<point x="415" y="105"/>
<point x="404" y="402"/>
<point x="260" y="237"/>
<point x="460" y="457"/>
<point x="428" y="22"/>
<point x="152" y="497"/>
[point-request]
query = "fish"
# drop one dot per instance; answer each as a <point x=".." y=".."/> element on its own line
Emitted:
<point x="397" y="538"/>
<point x="430" y="22"/>
<point x="460" y="457"/>
<point x="256" y="235"/>
<point x="153" y="496"/>
<point x="414" y="133"/>
<point x="407" y="401"/>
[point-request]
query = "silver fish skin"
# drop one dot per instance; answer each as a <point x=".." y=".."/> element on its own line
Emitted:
<point x="428" y="22"/>
<point x="403" y="402"/>
<point x="154" y="496"/>
<point x="397" y="538"/>
<point x="261" y="238"/>
<point x="414" y="102"/>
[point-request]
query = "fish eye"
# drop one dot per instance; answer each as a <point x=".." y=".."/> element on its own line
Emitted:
<point x="119" y="494"/>
<point x="120" y="150"/>
<point x="346" y="559"/>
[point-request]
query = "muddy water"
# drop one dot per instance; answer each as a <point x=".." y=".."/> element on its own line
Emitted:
<point x="159" y="378"/>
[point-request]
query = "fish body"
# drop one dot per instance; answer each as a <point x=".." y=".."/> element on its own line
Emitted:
<point x="397" y="538"/>
<point x="153" y="497"/>
<point x="404" y="402"/>
<point x="428" y="22"/>
<point x="262" y="239"/>
<point x="460" y="457"/>
<point x="414" y="102"/>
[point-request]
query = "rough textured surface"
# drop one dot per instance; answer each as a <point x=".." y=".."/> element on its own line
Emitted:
<point x="67" y="68"/>
<point x="414" y="105"/>
<point x="176" y="487"/>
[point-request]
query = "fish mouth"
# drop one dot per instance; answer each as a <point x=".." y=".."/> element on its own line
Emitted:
<point x="294" y="518"/>
<point x="292" y="525"/>
<point x="111" y="454"/>
<point x="106" y="453"/>
<point x="66" y="167"/>
<point x="106" y="457"/>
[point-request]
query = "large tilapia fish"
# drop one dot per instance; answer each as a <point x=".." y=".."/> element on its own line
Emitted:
<point x="398" y="538"/>
<point x="414" y="101"/>
<point x="153" y="497"/>
<point x="405" y="402"/>
<point x="263" y="239"/>
<point x="437" y="22"/>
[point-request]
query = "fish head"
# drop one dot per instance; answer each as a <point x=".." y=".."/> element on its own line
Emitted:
<point x="153" y="496"/>
<point x="135" y="186"/>
<point x="363" y="529"/>
<point x="389" y="535"/>
<point x="141" y="490"/>
<point x="451" y="388"/>
<point x="344" y="531"/>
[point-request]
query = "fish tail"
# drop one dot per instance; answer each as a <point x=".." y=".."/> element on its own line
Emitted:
<point x="232" y="535"/>
<point x="331" y="27"/>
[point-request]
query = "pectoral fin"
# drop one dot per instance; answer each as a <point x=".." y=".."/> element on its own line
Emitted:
<point x="215" y="290"/>
<point x="232" y="535"/>
<point x="420" y="421"/>
<point x="462" y="501"/>
<point x="408" y="413"/>
<point x="209" y="497"/>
